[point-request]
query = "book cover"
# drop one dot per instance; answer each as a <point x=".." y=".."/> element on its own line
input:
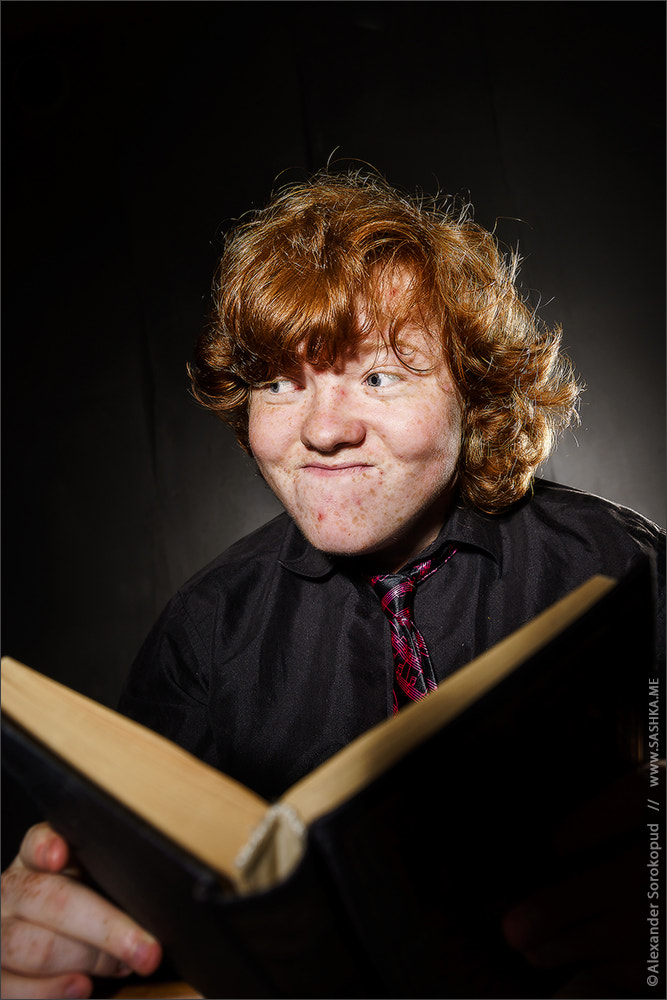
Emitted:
<point x="402" y="876"/>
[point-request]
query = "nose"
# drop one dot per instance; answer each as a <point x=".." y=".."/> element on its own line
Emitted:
<point x="331" y="420"/>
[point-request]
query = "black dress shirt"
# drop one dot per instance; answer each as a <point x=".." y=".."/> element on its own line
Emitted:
<point x="275" y="655"/>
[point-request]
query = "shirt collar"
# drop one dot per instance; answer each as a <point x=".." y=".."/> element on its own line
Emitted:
<point x="472" y="527"/>
<point x="299" y="556"/>
<point x="465" y="526"/>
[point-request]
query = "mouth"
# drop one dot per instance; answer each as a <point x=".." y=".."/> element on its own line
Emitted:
<point x="343" y="468"/>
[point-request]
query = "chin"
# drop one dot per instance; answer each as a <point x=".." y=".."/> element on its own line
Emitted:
<point x="335" y="544"/>
<point x="336" y="547"/>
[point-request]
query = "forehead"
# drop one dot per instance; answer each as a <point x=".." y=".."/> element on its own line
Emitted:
<point x="394" y="313"/>
<point x="412" y="345"/>
<point x="323" y="323"/>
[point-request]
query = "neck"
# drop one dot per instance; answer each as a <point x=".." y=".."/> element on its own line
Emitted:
<point x="405" y="549"/>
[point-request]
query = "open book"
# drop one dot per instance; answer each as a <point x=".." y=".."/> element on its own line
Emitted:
<point x="385" y="871"/>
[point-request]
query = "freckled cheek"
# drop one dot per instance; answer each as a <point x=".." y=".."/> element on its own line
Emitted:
<point x="441" y="431"/>
<point x="270" y="435"/>
<point x="428" y="437"/>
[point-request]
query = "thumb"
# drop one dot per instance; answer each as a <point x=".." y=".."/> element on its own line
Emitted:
<point x="44" y="850"/>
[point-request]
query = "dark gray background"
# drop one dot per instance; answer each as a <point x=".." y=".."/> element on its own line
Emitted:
<point x="134" y="133"/>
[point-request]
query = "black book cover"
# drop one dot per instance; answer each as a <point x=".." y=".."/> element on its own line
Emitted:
<point x="401" y="889"/>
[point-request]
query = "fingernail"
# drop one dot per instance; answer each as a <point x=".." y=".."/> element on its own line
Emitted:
<point x="143" y="954"/>
<point x="48" y="853"/>
<point x="52" y="853"/>
<point x="42" y="854"/>
<point x="75" y="989"/>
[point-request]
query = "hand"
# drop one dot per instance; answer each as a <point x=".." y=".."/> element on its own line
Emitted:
<point x="595" y="917"/>
<point x="57" y="933"/>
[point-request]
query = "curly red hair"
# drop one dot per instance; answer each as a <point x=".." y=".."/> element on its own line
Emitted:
<point x="289" y="286"/>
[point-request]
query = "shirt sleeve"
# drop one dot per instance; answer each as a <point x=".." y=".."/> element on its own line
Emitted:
<point x="167" y="687"/>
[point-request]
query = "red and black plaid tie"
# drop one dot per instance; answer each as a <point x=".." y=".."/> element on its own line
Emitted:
<point x="413" y="670"/>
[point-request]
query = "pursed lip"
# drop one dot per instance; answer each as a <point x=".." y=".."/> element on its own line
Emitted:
<point x="323" y="468"/>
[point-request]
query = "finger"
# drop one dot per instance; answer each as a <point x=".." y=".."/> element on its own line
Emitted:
<point x="52" y="988"/>
<point x="43" y="849"/>
<point x="30" y="950"/>
<point x="74" y="911"/>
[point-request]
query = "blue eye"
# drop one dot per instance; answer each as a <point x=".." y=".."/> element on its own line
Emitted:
<point x="280" y="385"/>
<point x="379" y="380"/>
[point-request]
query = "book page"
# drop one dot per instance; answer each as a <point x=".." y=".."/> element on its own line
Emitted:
<point x="196" y="806"/>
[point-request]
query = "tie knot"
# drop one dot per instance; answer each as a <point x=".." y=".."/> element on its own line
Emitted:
<point x="414" y="675"/>
<point x="395" y="589"/>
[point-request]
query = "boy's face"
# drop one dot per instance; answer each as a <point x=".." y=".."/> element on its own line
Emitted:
<point x="363" y="455"/>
